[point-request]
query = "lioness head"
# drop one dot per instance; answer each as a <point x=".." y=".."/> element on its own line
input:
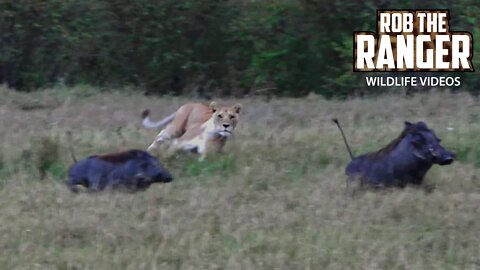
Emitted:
<point x="225" y="118"/>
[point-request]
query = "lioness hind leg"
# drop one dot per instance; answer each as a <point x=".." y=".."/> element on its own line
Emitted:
<point x="160" y="139"/>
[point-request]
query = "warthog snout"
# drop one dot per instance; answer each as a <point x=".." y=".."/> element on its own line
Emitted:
<point x="445" y="158"/>
<point x="163" y="177"/>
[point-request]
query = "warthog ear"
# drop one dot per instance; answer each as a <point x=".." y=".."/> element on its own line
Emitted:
<point x="408" y="124"/>
<point x="213" y="106"/>
<point x="237" y="108"/>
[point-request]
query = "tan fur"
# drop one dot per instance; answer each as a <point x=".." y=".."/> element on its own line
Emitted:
<point x="198" y="127"/>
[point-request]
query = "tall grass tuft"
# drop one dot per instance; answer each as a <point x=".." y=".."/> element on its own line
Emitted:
<point x="47" y="156"/>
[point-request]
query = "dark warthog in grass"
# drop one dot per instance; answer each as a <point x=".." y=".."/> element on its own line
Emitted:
<point x="131" y="170"/>
<point x="404" y="161"/>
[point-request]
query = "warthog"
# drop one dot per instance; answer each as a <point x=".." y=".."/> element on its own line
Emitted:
<point x="403" y="161"/>
<point x="130" y="170"/>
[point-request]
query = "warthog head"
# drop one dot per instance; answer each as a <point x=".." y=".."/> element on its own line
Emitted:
<point x="427" y="145"/>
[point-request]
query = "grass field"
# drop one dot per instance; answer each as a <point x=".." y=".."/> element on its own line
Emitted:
<point x="275" y="200"/>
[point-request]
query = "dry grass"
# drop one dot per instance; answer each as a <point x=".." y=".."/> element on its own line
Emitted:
<point x="276" y="200"/>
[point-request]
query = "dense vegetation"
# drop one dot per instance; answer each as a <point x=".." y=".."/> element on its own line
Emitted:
<point x="235" y="47"/>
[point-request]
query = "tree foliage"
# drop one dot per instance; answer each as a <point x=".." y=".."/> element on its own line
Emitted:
<point x="289" y="47"/>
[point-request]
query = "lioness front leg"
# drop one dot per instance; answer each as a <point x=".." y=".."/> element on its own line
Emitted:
<point x="209" y="147"/>
<point x="204" y="149"/>
<point x="192" y="145"/>
<point x="203" y="156"/>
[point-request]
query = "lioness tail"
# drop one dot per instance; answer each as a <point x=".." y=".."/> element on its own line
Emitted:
<point x="149" y="124"/>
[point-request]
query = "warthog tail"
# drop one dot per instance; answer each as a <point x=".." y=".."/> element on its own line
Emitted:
<point x="70" y="145"/>
<point x="344" y="138"/>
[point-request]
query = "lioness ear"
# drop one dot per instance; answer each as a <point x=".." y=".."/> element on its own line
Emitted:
<point x="213" y="106"/>
<point x="237" y="108"/>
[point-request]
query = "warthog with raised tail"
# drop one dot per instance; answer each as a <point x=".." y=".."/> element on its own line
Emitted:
<point x="403" y="161"/>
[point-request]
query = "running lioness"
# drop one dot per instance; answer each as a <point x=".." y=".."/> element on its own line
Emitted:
<point x="195" y="127"/>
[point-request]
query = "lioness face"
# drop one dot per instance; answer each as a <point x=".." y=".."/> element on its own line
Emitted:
<point x="225" y="119"/>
